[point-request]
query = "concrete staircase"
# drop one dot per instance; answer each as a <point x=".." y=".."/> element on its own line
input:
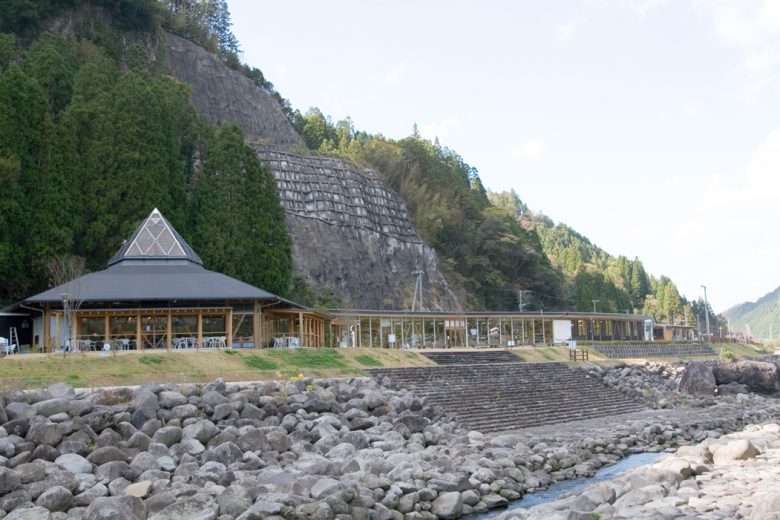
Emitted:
<point x="506" y="396"/>
<point x="471" y="357"/>
<point x="648" y="350"/>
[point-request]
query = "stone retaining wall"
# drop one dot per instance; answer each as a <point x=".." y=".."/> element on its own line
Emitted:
<point x="647" y="350"/>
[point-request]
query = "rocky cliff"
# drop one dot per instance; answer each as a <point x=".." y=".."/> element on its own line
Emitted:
<point x="350" y="232"/>
<point x="222" y="94"/>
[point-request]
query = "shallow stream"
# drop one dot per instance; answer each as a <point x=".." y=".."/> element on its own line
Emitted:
<point x="554" y="491"/>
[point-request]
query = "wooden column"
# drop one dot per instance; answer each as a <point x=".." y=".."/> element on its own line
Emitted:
<point x="45" y="338"/>
<point x="300" y="328"/>
<point x="199" y="328"/>
<point x="229" y="326"/>
<point x="257" y="326"/>
<point x="138" y="334"/>
<point x="169" y="339"/>
<point x="107" y="329"/>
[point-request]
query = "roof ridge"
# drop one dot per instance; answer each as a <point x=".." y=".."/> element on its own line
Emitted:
<point x="155" y="238"/>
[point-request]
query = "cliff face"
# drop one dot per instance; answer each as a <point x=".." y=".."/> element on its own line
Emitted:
<point x="352" y="234"/>
<point x="222" y="94"/>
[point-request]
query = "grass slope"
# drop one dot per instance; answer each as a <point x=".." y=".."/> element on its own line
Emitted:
<point x="127" y="368"/>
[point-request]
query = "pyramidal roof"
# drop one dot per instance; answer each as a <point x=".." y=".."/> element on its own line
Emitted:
<point x="155" y="238"/>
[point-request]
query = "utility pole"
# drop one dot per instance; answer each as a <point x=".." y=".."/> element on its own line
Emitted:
<point x="706" y="311"/>
<point x="520" y="303"/>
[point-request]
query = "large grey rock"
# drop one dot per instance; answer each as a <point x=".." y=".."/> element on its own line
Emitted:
<point x="733" y="389"/>
<point x="740" y="449"/>
<point x="74" y="463"/>
<point x="47" y="433"/>
<point x="106" y="454"/>
<point x="168" y="399"/>
<point x="116" y="508"/>
<point x="31" y="471"/>
<point x="63" y="390"/>
<point x="85" y="498"/>
<point x="19" y="410"/>
<point x="168" y="435"/>
<point x="31" y="513"/>
<point x="52" y="406"/>
<point x="698" y="380"/>
<point x="198" y="507"/>
<point x="54" y="499"/>
<point x="9" y="480"/>
<point x="759" y="376"/>
<point x="145" y="405"/>
<point x="766" y="506"/>
<point x="448" y="505"/>
<point x="202" y="430"/>
<point x="233" y="501"/>
<point x="15" y="499"/>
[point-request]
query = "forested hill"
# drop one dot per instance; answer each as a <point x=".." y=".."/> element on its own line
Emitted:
<point x="617" y="284"/>
<point x="95" y="130"/>
<point x="759" y="319"/>
<point x="94" y="133"/>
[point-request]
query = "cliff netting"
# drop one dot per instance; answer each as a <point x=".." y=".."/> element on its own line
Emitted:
<point x="352" y="234"/>
<point x="222" y="94"/>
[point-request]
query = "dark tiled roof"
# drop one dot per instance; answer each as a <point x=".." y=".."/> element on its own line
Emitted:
<point x="149" y="281"/>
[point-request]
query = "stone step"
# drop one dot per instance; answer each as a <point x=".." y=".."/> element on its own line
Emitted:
<point x="502" y="396"/>
<point x="470" y="357"/>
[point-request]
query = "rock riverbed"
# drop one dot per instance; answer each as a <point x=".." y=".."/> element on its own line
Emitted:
<point x="731" y="477"/>
<point x="320" y="449"/>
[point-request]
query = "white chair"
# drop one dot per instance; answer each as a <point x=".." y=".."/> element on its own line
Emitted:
<point x="221" y="342"/>
<point x="292" y="342"/>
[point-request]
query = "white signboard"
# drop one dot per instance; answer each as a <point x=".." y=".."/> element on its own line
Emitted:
<point x="391" y="339"/>
<point x="561" y="331"/>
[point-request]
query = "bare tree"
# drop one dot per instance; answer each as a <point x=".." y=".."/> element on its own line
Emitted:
<point x="62" y="270"/>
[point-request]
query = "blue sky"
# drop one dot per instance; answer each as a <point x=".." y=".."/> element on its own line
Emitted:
<point x="651" y="127"/>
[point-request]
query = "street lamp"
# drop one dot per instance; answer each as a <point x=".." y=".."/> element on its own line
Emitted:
<point x="706" y="311"/>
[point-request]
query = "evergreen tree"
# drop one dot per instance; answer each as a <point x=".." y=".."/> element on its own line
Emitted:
<point x="237" y="219"/>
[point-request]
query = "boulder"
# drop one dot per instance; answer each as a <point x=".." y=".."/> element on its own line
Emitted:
<point x="47" y="433"/>
<point x="740" y="449"/>
<point x="448" y="505"/>
<point x="759" y="376"/>
<point x="9" y="480"/>
<point x="54" y="499"/>
<point x="198" y="507"/>
<point x="766" y="507"/>
<point x="698" y="380"/>
<point x="74" y="463"/>
<point x="116" y="508"/>
<point x="733" y="388"/>
<point x="30" y="513"/>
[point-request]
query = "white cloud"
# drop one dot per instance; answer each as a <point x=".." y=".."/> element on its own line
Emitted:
<point x="530" y="149"/>
<point x="642" y="7"/>
<point x="394" y="74"/>
<point x="752" y="27"/>
<point x="692" y="108"/>
<point x="673" y="183"/>
<point x="726" y="237"/>
<point x="567" y="30"/>
<point x="442" y="129"/>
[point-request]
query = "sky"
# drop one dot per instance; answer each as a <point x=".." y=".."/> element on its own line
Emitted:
<point x="649" y="126"/>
